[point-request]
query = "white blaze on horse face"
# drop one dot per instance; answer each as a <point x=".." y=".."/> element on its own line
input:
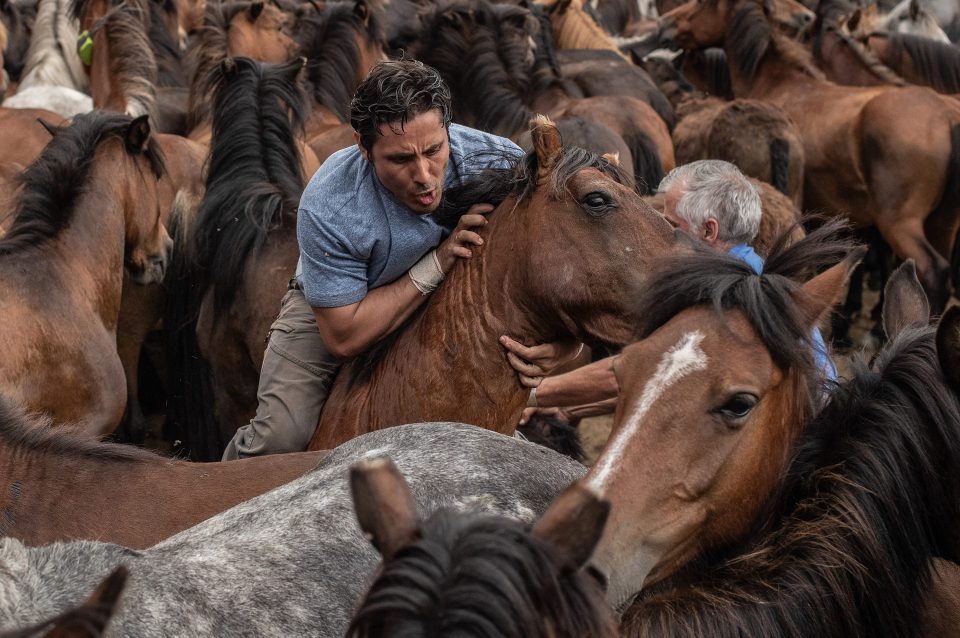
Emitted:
<point x="677" y="362"/>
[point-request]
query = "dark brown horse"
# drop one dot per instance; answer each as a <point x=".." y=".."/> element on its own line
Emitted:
<point x="862" y="158"/>
<point x="239" y="250"/>
<point x="58" y="486"/>
<point x="845" y="544"/>
<point x="446" y="364"/>
<point x="88" y="212"/>
<point x="461" y="569"/>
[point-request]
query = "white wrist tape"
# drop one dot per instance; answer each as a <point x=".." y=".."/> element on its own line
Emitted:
<point x="426" y="274"/>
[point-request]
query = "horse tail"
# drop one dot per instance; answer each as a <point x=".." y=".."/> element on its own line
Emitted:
<point x="780" y="164"/>
<point x="190" y="420"/>
<point x="647" y="167"/>
<point x="950" y="200"/>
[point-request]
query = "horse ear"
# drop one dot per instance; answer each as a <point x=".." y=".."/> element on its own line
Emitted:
<point x="823" y="292"/>
<point x="138" y="134"/>
<point x="612" y="158"/>
<point x="385" y="507"/>
<point x="560" y="7"/>
<point x="90" y="620"/>
<point x="52" y="129"/>
<point x="853" y="21"/>
<point x="546" y="142"/>
<point x="904" y="301"/>
<point x="362" y="11"/>
<point x="948" y="346"/>
<point x="574" y="523"/>
<point x="254" y="11"/>
<point x="914" y="9"/>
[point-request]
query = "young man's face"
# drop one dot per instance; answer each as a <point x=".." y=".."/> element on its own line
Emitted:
<point x="411" y="164"/>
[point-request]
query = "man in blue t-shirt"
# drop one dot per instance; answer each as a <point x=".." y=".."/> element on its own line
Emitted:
<point x="370" y="252"/>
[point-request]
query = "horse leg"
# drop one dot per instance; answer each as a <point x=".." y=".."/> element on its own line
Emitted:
<point x="907" y="240"/>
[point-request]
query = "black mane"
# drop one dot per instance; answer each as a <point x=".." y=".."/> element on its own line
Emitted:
<point x="481" y="576"/>
<point x="254" y="171"/>
<point x="51" y="185"/>
<point x="937" y="63"/>
<point x="516" y="177"/>
<point x="328" y="42"/>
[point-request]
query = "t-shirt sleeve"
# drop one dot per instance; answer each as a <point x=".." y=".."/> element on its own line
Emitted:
<point x="334" y="267"/>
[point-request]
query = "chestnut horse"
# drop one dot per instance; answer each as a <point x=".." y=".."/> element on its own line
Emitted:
<point x="58" y="486"/>
<point x="711" y="401"/>
<point x="88" y="210"/>
<point x="446" y="362"/>
<point x="846" y="542"/>
<point x="238" y="252"/>
<point x="862" y="159"/>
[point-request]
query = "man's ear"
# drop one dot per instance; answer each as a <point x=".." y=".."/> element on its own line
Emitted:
<point x="363" y="150"/>
<point x="711" y="230"/>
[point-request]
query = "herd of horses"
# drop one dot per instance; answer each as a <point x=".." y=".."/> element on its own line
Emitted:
<point x="155" y="152"/>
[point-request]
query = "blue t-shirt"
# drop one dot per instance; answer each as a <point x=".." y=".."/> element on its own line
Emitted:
<point x="355" y="236"/>
<point x="745" y="253"/>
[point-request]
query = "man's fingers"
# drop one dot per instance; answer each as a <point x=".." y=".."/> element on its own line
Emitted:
<point x="471" y="221"/>
<point x="524" y="367"/>
<point x="480" y="209"/>
<point x="516" y="347"/>
<point x="468" y="237"/>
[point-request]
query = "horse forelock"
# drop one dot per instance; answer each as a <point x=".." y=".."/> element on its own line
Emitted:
<point x="526" y="587"/>
<point x="52" y="184"/>
<point x="254" y="172"/>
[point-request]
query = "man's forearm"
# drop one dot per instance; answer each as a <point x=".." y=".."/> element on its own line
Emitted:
<point x="378" y="314"/>
<point x="592" y="383"/>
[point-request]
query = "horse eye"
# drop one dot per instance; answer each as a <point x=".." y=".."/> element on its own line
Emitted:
<point x="736" y="408"/>
<point x="597" y="203"/>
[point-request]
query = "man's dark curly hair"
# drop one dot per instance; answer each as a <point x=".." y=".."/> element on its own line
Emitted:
<point x="396" y="91"/>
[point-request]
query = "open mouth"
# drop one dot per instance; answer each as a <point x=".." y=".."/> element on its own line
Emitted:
<point x="426" y="198"/>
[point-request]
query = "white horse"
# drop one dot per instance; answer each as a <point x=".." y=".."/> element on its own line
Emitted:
<point x="53" y="76"/>
<point x="914" y="17"/>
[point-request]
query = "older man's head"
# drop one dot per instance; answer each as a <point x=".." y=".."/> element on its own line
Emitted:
<point x="712" y="201"/>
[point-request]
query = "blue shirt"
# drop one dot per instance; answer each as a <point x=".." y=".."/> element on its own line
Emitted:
<point x="355" y="236"/>
<point x="746" y="254"/>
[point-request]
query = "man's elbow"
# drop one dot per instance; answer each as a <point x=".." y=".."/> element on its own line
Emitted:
<point x="343" y="350"/>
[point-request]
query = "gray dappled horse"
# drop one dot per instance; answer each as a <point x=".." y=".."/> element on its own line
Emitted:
<point x="292" y="562"/>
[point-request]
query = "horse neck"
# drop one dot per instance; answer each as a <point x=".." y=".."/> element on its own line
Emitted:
<point x="845" y="65"/>
<point x="90" y="249"/>
<point x="773" y="74"/>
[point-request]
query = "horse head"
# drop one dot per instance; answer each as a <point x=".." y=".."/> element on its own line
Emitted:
<point x="711" y="401"/>
<point x="533" y="579"/>
<point x="609" y="238"/>
<point x="261" y="31"/>
<point x="703" y="23"/>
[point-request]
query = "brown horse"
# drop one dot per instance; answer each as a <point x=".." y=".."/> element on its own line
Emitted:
<point x="88" y="211"/>
<point x="239" y="250"/>
<point x="720" y="386"/>
<point x="919" y="60"/>
<point x="711" y="128"/>
<point x="846" y="542"/>
<point x="255" y="30"/>
<point x="862" y="159"/>
<point x="445" y="364"/>
<point x="58" y="486"/>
